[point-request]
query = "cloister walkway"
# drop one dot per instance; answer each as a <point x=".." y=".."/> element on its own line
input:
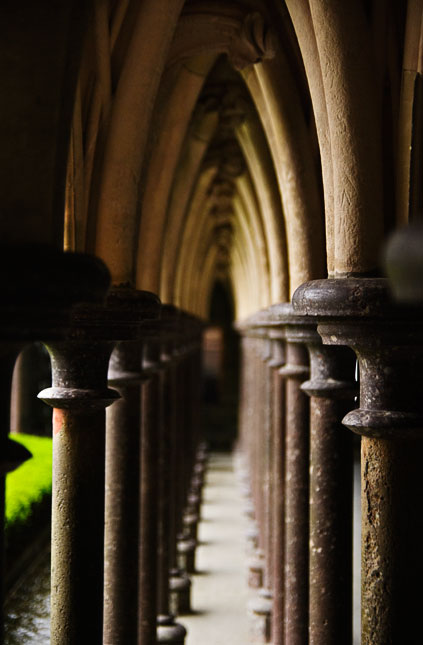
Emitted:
<point x="220" y="593"/>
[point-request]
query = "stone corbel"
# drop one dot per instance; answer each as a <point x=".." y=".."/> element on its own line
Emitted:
<point x="217" y="26"/>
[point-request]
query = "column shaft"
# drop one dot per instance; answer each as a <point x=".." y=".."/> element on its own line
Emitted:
<point x="296" y="501"/>
<point x="149" y="511"/>
<point x="79" y="396"/>
<point x="77" y="526"/>
<point x="122" y="497"/>
<point x="278" y="507"/>
<point x="331" y="388"/>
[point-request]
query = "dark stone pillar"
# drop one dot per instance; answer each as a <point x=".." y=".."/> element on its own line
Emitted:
<point x="40" y="286"/>
<point x="278" y="448"/>
<point x="190" y="497"/>
<point x="245" y="449"/>
<point x="79" y="396"/>
<point x="261" y="606"/>
<point x="255" y="508"/>
<point x="149" y="494"/>
<point x="179" y="581"/>
<point x="332" y="391"/>
<point x="387" y="340"/>
<point x="168" y="631"/>
<point x="296" y="486"/>
<point x="123" y="471"/>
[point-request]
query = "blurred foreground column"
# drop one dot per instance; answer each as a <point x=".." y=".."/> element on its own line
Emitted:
<point x="388" y="341"/>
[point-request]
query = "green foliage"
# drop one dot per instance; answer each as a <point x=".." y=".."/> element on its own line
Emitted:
<point x="30" y="484"/>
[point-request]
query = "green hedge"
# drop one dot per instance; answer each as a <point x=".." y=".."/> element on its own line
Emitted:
<point x="29" y="485"/>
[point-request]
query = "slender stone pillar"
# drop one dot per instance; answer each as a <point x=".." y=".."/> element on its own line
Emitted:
<point x="147" y="624"/>
<point x="256" y="509"/>
<point x="278" y="448"/>
<point x="245" y="446"/>
<point x="261" y="606"/>
<point x="79" y="396"/>
<point x="296" y="487"/>
<point x="291" y="521"/>
<point x="388" y="341"/>
<point x="123" y="471"/>
<point x="266" y="358"/>
<point x="179" y="581"/>
<point x="168" y="631"/>
<point x="332" y="390"/>
<point x="41" y="285"/>
<point x="190" y="498"/>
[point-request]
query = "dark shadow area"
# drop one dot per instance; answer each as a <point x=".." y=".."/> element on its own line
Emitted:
<point x="27" y="609"/>
<point x="221" y="372"/>
<point x="194" y="612"/>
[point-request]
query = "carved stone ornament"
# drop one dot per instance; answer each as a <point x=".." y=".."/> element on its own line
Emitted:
<point x="222" y="27"/>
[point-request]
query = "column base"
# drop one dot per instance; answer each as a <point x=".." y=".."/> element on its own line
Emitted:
<point x="190" y="521"/>
<point x="252" y="538"/>
<point x="186" y="554"/>
<point x="170" y="632"/>
<point x="260" y="614"/>
<point x="255" y="570"/>
<point x="179" y="593"/>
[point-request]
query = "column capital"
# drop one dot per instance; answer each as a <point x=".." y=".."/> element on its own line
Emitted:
<point x="293" y="328"/>
<point x="41" y="285"/>
<point x="388" y="341"/>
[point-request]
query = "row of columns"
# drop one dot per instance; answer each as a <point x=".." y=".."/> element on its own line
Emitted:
<point x="128" y="460"/>
<point x="300" y="398"/>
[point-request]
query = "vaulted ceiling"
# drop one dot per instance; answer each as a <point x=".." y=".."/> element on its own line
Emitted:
<point x="247" y="142"/>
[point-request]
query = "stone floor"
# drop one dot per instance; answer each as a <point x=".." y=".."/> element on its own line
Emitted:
<point x="220" y="594"/>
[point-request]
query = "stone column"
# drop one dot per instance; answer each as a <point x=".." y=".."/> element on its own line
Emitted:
<point x="147" y="623"/>
<point x="190" y="499"/>
<point x="123" y="471"/>
<point x="79" y="396"/>
<point x="41" y="285"/>
<point x="179" y="582"/>
<point x="199" y="447"/>
<point x="296" y="484"/>
<point x="332" y="389"/>
<point x="255" y="506"/>
<point x="387" y="340"/>
<point x="245" y="444"/>
<point x="261" y="606"/>
<point x="168" y="631"/>
<point x="278" y="448"/>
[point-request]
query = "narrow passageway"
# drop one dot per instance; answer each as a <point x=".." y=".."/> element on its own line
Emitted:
<point x="220" y="592"/>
